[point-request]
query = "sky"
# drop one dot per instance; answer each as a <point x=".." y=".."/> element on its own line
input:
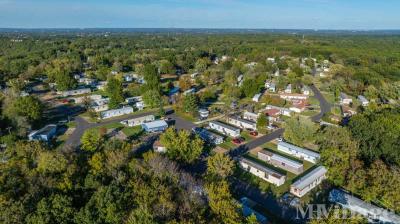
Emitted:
<point x="251" y="14"/>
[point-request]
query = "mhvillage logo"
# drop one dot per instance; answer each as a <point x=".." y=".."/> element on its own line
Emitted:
<point x="321" y="211"/>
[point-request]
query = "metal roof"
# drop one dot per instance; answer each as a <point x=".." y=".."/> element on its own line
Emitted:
<point x="242" y="120"/>
<point x="299" y="149"/>
<point x="155" y="124"/>
<point x="309" y="177"/>
<point x="224" y="125"/>
<point x="283" y="159"/>
<point x="261" y="167"/>
<point x="357" y="205"/>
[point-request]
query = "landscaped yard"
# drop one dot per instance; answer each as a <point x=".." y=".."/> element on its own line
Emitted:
<point x="130" y="132"/>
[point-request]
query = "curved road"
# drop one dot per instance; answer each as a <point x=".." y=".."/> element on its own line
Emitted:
<point x="243" y="149"/>
<point x="267" y="200"/>
<point x="74" y="140"/>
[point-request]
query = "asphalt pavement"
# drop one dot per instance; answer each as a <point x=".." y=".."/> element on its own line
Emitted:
<point x="82" y="125"/>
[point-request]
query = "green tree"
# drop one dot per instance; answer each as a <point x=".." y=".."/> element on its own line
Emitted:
<point x="60" y="72"/>
<point x="166" y="67"/>
<point x="219" y="165"/>
<point x="91" y="140"/>
<point x="222" y="204"/>
<point x="202" y="64"/>
<point x="182" y="146"/>
<point x="51" y="162"/>
<point x="262" y="121"/>
<point x="300" y="130"/>
<point x="115" y="92"/>
<point x="28" y="107"/>
<point x="54" y="209"/>
<point x="152" y="98"/>
<point x="378" y="133"/>
<point x="151" y="77"/>
<point x="190" y="103"/>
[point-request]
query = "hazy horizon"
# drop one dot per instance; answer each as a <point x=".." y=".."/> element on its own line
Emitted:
<point x="205" y="14"/>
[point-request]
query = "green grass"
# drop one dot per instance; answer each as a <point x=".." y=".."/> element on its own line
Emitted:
<point x="310" y="113"/>
<point x="71" y="124"/>
<point x="132" y="131"/>
<point x="186" y="116"/>
<point x="313" y="101"/>
<point x="329" y="97"/>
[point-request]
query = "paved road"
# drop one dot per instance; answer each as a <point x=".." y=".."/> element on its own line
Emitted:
<point x="181" y="123"/>
<point x="324" y="105"/>
<point x="82" y="125"/>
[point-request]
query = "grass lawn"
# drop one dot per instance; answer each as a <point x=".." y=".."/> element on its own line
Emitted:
<point x="313" y="101"/>
<point x="71" y="124"/>
<point x="310" y="113"/>
<point x="227" y="144"/>
<point x="130" y="132"/>
<point x="329" y="97"/>
<point x="185" y="116"/>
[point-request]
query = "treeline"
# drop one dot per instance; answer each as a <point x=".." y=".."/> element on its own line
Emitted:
<point x="106" y="182"/>
<point x="31" y="56"/>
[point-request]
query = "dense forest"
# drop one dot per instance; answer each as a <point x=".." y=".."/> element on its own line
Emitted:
<point x="105" y="182"/>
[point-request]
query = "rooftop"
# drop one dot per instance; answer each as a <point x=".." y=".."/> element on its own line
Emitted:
<point x="357" y="205"/>
<point x="224" y="125"/>
<point x="309" y="177"/>
<point x="242" y="120"/>
<point x="156" y="124"/>
<point x="299" y="149"/>
<point x="287" y="161"/>
<point x="46" y="129"/>
<point x="261" y="167"/>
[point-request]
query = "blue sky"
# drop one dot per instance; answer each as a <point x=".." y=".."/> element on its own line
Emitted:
<point x="281" y="14"/>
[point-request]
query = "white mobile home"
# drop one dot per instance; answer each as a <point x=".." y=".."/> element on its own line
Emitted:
<point x="133" y="99"/>
<point x="373" y="213"/>
<point x="280" y="161"/>
<point x="345" y="99"/>
<point x="250" y="116"/>
<point x="44" y="134"/>
<point x="364" y="102"/>
<point x="100" y="105"/>
<point x="225" y="129"/>
<point x="208" y="136"/>
<point x="242" y="123"/>
<point x="82" y="99"/>
<point x="298" y="152"/>
<point x="116" y="112"/>
<point x="257" y="97"/>
<point x="308" y="182"/>
<point x="262" y="172"/>
<point x="155" y="126"/>
<point x="293" y="96"/>
<point x="288" y="89"/>
<point x="138" y="121"/>
<point x="76" y="92"/>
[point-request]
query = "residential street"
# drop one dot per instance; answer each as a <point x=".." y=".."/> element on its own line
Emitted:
<point x="82" y="125"/>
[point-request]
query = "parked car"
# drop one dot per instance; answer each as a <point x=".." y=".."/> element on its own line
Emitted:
<point x="254" y="133"/>
<point x="237" y="141"/>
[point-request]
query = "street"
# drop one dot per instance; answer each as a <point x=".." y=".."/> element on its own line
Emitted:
<point x="82" y="125"/>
